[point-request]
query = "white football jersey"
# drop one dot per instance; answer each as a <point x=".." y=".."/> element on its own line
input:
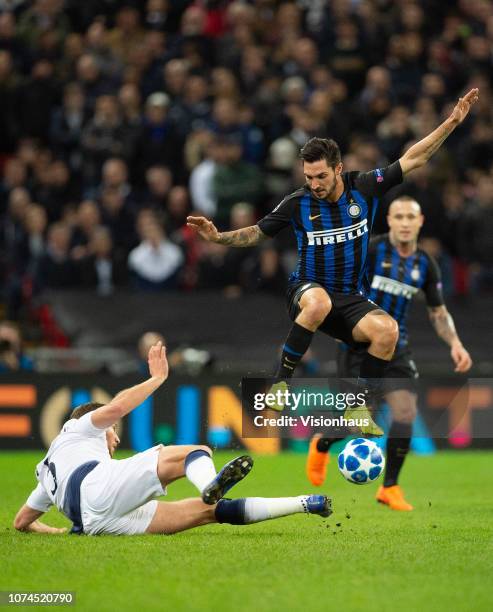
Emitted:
<point x="79" y="441"/>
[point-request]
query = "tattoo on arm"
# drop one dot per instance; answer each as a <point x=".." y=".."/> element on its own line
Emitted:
<point x="245" y="237"/>
<point x="443" y="324"/>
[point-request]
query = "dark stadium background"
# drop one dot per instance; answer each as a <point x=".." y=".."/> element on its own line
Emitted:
<point x="117" y="119"/>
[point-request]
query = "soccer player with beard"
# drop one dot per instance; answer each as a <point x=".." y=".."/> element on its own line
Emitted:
<point x="332" y="217"/>
<point x="398" y="269"/>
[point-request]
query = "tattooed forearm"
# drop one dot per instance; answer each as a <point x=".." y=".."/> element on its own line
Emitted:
<point x="444" y="324"/>
<point x="245" y="237"/>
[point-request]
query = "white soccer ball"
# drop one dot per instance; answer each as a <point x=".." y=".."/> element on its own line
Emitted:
<point x="361" y="461"/>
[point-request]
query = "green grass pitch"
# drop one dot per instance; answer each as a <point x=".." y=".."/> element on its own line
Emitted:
<point x="364" y="558"/>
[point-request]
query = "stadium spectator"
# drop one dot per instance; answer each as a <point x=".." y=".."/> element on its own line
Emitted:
<point x="37" y="96"/>
<point x="56" y="269"/>
<point x="103" y="137"/>
<point x="192" y="111"/>
<point x="91" y="79"/>
<point x="127" y="33"/>
<point x="14" y="175"/>
<point x="12" y="357"/>
<point x="202" y="175"/>
<point x="158" y="183"/>
<point x="234" y="177"/>
<point x="102" y="268"/>
<point x="159" y="142"/>
<point x="119" y="217"/>
<point x="156" y="262"/>
<point x="67" y="123"/>
<point x="88" y="218"/>
<point x="177" y="209"/>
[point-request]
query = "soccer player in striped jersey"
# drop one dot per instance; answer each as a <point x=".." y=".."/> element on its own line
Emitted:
<point x="398" y="269"/>
<point x="332" y="216"/>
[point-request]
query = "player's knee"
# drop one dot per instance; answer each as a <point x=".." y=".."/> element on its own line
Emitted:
<point x="407" y="414"/>
<point x="316" y="311"/>
<point x="388" y="333"/>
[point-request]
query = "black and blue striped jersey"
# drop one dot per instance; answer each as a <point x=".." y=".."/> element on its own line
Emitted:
<point x="394" y="280"/>
<point x="333" y="237"/>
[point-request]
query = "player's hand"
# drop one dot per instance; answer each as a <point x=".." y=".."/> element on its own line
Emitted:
<point x="39" y="527"/>
<point x="57" y="530"/>
<point x="461" y="358"/>
<point x="464" y="105"/>
<point x="158" y="363"/>
<point x="204" y="228"/>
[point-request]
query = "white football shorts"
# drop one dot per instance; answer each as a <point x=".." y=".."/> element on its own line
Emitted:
<point x="115" y="496"/>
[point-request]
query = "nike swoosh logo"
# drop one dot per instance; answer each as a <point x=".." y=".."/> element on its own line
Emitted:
<point x="314" y="217"/>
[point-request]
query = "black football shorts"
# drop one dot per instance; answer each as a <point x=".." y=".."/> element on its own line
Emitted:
<point x="347" y="311"/>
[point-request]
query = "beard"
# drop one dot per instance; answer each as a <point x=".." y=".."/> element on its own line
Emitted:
<point x="328" y="190"/>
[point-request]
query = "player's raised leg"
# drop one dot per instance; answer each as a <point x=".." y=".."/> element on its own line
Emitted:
<point x="314" y="305"/>
<point x="382" y="332"/>
<point x="172" y="517"/>
<point x="195" y="462"/>
<point x="403" y="407"/>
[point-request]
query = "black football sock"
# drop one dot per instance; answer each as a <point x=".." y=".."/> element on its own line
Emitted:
<point x="372" y="371"/>
<point x="398" y="444"/>
<point x="324" y="444"/>
<point x="294" y="348"/>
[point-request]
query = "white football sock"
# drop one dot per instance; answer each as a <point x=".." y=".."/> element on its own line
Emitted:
<point x="264" y="508"/>
<point x="201" y="471"/>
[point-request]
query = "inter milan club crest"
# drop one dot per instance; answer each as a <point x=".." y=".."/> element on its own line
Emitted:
<point x="415" y="274"/>
<point x="354" y="209"/>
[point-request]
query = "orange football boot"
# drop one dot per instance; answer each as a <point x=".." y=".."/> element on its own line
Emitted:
<point x="316" y="463"/>
<point x="393" y="497"/>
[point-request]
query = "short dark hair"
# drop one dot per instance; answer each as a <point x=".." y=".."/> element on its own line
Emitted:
<point x="84" y="409"/>
<point x="321" y="148"/>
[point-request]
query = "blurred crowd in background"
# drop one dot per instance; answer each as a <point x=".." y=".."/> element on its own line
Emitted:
<point x="119" y="119"/>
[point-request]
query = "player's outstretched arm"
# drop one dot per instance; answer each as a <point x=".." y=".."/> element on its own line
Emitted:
<point x="27" y="520"/>
<point x="417" y="155"/>
<point x="128" y="399"/>
<point x="244" y="237"/>
<point x="444" y="326"/>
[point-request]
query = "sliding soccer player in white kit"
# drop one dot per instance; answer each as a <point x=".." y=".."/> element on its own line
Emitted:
<point x="101" y="495"/>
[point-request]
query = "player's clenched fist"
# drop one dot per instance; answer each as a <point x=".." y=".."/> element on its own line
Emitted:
<point x="158" y="364"/>
<point x="204" y="228"/>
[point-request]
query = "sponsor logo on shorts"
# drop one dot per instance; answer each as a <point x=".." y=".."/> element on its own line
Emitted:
<point x="336" y="236"/>
<point x="394" y="287"/>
